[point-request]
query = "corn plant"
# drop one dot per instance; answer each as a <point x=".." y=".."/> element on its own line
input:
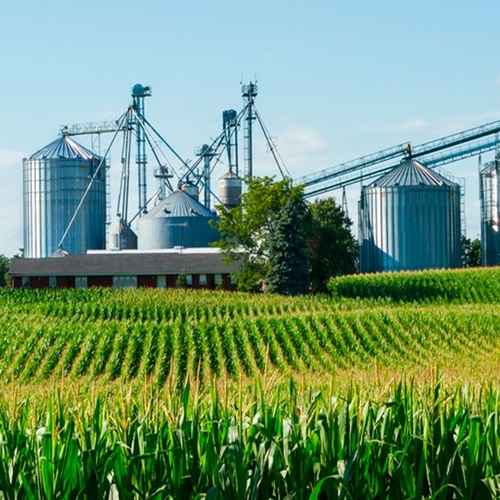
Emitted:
<point x="105" y="349"/>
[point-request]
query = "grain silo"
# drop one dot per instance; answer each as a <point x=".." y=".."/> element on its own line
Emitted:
<point x="121" y="236"/>
<point x="55" y="179"/>
<point x="177" y="221"/>
<point x="409" y="220"/>
<point x="191" y="189"/>
<point x="230" y="187"/>
<point x="490" y="213"/>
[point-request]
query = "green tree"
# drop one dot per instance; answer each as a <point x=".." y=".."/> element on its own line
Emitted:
<point x="181" y="280"/>
<point x="332" y="249"/>
<point x="4" y="270"/>
<point x="245" y="229"/>
<point x="288" y="266"/>
<point x="471" y="252"/>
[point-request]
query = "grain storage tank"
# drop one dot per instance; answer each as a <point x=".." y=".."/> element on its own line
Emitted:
<point x="177" y="221"/>
<point x="230" y="186"/>
<point x="122" y="237"/>
<point x="490" y="213"/>
<point x="55" y="179"/>
<point x="190" y="188"/>
<point x="409" y="219"/>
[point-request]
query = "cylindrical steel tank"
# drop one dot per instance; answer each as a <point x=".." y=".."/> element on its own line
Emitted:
<point x="191" y="189"/>
<point x="490" y="213"/>
<point x="55" y="179"/>
<point x="177" y="221"/>
<point x="230" y="186"/>
<point x="409" y="220"/>
<point x="121" y="237"/>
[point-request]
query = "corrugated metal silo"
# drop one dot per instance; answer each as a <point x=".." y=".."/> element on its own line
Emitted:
<point x="178" y="221"/>
<point x="191" y="189"/>
<point x="55" y="179"/>
<point x="230" y="187"/>
<point x="121" y="237"/>
<point x="490" y="214"/>
<point x="409" y="220"/>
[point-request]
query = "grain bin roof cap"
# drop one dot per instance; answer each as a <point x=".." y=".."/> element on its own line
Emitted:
<point x="411" y="173"/>
<point x="63" y="148"/>
<point x="230" y="175"/>
<point x="179" y="204"/>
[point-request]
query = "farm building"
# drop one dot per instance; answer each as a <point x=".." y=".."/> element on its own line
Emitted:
<point x="202" y="268"/>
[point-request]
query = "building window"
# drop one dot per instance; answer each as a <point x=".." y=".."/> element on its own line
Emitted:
<point x="124" y="281"/>
<point x="218" y="279"/>
<point x="161" y="282"/>
<point x="80" y="281"/>
<point x="203" y="279"/>
<point x="26" y="281"/>
<point x="233" y="279"/>
<point x="189" y="279"/>
<point x="52" y="281"/>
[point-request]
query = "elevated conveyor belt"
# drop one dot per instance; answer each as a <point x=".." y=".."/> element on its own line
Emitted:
<point x="448" y="149"/>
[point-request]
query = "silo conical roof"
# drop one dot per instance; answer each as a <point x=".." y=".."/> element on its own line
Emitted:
<point x="179" y="204"/>
<point x="411" y="173"/>
<point x="60" y="253"/>
<point x="63" y="148"/>
<point x="230" y="175"/>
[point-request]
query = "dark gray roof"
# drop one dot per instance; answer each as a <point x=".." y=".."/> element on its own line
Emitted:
<point x="411" y="173"/>
<point x="63" y="148"/>
<point x="179" y="204"/>
<point x="123" y="264"/>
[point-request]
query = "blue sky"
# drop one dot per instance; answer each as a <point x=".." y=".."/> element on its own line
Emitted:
<point x="337" y="80"/>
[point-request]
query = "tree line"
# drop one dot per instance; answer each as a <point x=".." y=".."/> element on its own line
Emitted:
<point x="284" y="244"/>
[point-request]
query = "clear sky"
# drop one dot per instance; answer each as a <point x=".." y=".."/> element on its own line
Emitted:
<point x="337" y="79"/>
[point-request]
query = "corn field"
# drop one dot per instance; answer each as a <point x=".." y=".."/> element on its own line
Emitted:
<point x="386" y="389"/>
<point x="434" y="442"/>
<point x="480" y="285"/>
<point x="155" y="336"/>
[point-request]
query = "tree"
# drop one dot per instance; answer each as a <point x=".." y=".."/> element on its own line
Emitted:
<point x="288" y="269"/>
<point x="332" y="248"/>
<point x="181" y="280"/>
<point x="4" y="270"/>
<point x="245" y="229"/>
<point x="470" y="252"/>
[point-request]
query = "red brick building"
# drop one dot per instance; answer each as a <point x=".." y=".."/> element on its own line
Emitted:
<point x="201" y="268"/>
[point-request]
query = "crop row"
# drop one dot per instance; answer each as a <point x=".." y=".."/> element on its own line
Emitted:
<point x="32" y="348"/>
<point x="153" y="305"/>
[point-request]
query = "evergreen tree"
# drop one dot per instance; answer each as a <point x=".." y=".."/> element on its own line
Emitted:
<point x="288" y="269"/>
<point x="246" y="229"/>
<point x="181" y="280"/>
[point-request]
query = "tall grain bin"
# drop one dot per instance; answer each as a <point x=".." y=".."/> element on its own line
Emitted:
<point x="177" y="221"/>
<point x="191" y="189"/>
<point x="55" y="179"/>
<point x="230" y="187"/>
<point x="490" y="214"/>
<point x="409" y="220"/>
<point x="121" y="236"/>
